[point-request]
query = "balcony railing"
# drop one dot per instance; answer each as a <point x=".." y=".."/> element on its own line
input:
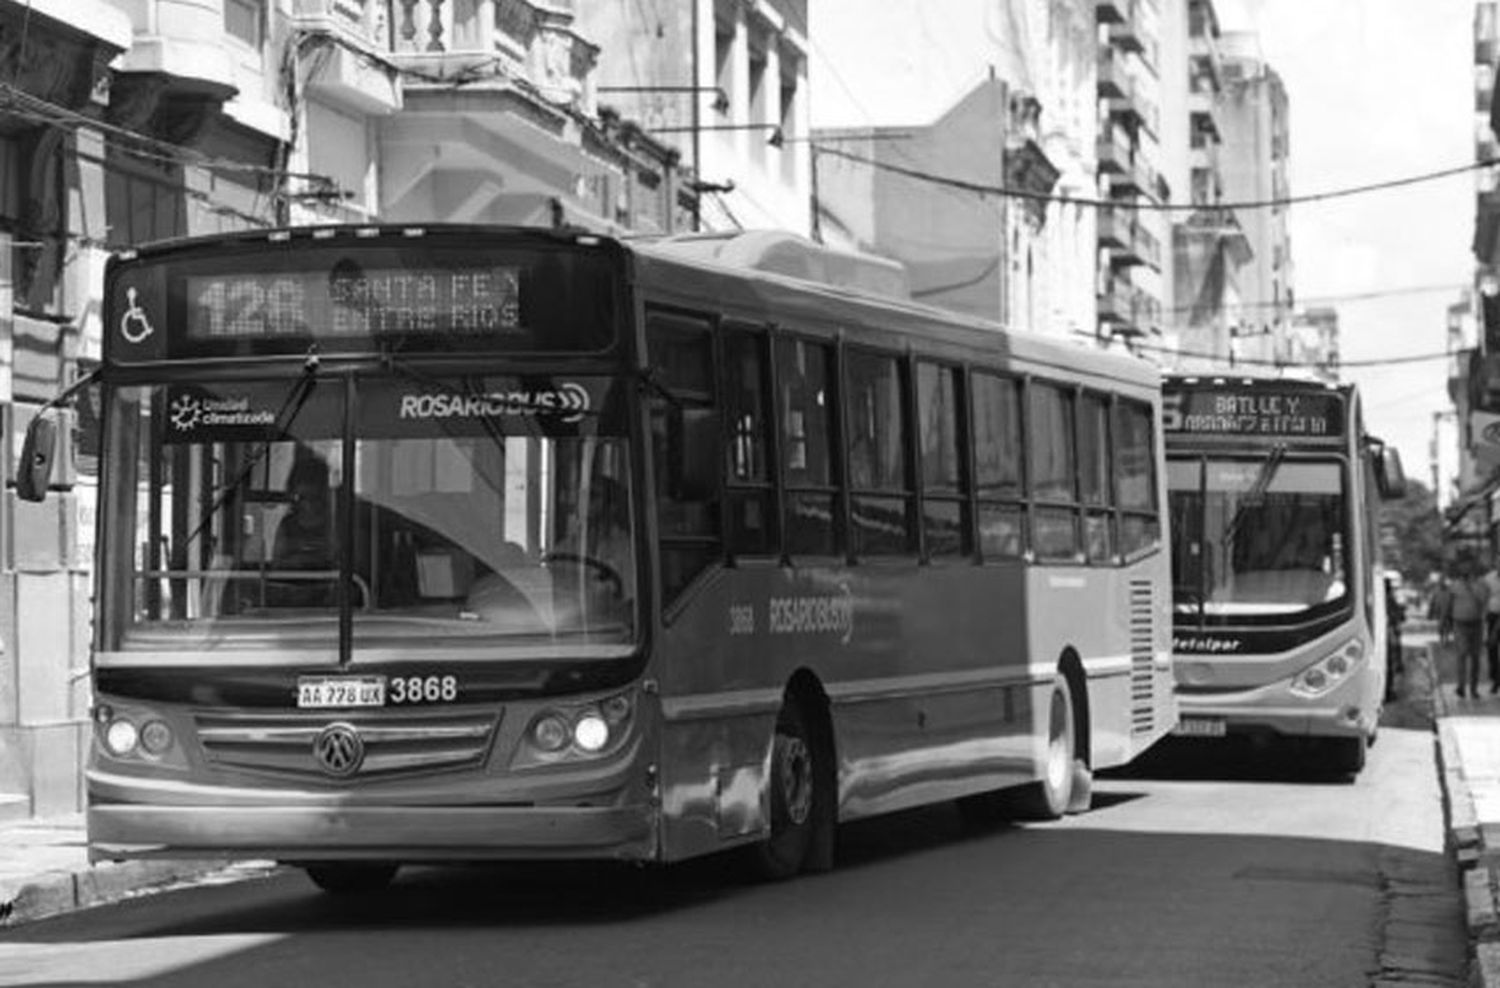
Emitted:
<point x="1112" y="78"/>
<point x="445" y="41"/>
<point x="1133" y="105"/>
<point x="1127" y="310"/>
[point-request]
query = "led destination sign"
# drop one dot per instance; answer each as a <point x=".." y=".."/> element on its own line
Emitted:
<point x="479" y="300"/>
<point x="458" y="292"/>
<point x="1234" y="411"/>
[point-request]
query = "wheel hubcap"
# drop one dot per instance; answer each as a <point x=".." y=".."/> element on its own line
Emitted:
<point x="794" y="769"/>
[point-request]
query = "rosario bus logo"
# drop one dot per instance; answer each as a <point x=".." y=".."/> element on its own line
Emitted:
<point x="568" y="401"/>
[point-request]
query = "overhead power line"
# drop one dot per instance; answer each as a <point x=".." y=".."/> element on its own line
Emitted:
<point x="981" y="188"/>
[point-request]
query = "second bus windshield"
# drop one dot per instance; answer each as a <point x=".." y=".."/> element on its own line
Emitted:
<point x="1253" y="539"/>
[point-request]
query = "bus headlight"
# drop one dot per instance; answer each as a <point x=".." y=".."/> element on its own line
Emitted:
<point x="1329" y="671"/>
<point x="573" y="732"/>
<point x="156" y="737"/>
<point x="120" y="737"/>
<point x="550" y="732"/>
<point x="590" y="733"/>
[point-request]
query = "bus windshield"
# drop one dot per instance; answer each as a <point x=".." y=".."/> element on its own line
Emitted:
<point x="1262" y="538"/>
<point x="447" y="514"/>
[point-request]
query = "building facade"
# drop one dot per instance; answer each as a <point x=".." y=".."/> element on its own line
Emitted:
<point x="723" y="84"/>
<point x="977" y="143"/>
<point x="1256" y="150"/>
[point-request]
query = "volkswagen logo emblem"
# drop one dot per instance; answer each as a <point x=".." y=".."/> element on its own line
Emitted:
<point x="339" y="749"/>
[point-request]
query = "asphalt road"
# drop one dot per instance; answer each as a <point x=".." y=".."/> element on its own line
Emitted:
<point x="1202" y="868"/>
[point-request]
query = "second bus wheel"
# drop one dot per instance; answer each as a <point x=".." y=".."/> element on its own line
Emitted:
<point x="797" y="796"/>
<point x="1052" y="795"/>
<point x="349" y="878"/>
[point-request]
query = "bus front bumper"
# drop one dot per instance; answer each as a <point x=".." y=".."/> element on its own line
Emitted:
<point x="373" y="833"/>
<point x="1212" y="716"/>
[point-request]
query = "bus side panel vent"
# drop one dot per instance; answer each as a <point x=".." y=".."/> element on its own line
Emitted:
<point x="1142" y="675"/>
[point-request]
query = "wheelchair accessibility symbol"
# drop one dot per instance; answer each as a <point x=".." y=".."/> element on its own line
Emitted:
<point x="134" y="325"/>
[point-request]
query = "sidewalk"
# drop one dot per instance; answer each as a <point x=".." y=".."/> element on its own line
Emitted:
<point x="45" y="870"/>
<point x="1469" y="745"/>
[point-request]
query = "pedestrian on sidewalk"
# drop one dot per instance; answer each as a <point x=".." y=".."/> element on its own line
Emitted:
<point x="1438" y="608"/>
<point x="1466" y="613"/>
<point x="1492" y="627"/>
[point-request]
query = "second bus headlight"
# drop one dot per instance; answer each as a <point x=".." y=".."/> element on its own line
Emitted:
<point x="1329" y="671"/>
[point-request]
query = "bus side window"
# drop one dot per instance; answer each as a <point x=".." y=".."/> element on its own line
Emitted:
<point x="804" y="413"/>
<point x="1093" y="478"/>
<point x="1135" y="477"/>
<point x="750" y="497"/>
<point x="995" y="409"/>
<point x="1052" y="469"/>
<point x="688" y="526"/>
<point x="945" y="487"/>
<point x="881" y="499"/>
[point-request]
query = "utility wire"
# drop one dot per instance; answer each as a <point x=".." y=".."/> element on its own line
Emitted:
<point x="1000" y="190"/>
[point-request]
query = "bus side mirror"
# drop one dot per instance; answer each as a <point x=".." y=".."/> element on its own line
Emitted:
<point x="1389" y="476"/>
<point x="694" y="454"/>
<point x="38" y="450"/>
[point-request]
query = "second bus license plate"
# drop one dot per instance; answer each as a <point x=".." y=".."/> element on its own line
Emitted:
<point x="1200" y="727"/>
<point x="315" y="692"/>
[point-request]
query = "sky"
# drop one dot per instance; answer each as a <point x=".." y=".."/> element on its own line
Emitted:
<point x="1379" y="90"/>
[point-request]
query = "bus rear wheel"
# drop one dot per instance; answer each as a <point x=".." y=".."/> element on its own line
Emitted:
<point x="798" y="798"/>
<point x="345" y="878"/>
<point x="1053" y="794"/>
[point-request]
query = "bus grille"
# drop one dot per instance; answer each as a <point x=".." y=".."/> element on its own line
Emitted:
<point x="393" y="743"/>
<point x="1142" y="638"/>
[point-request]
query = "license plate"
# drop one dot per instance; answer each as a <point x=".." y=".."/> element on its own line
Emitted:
<point x="321" y="692"/>
<point x="1200" y="727"/>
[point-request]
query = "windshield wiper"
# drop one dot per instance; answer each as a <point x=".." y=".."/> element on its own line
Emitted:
<point x="1254" y="496"/>
<point x="290" y="408"/>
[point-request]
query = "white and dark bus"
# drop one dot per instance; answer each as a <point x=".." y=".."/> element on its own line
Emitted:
<point x="1278" y="597"/>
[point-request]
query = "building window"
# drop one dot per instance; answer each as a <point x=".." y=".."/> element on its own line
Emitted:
<point x="245" y="19"/>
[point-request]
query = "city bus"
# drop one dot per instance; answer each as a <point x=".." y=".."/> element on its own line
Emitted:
<point x="1278" y="599"/>
<point x="455" y="543"/>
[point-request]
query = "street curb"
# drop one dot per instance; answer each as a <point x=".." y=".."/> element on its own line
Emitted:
<point x="1477" y="864"/>
<point x="55" y="893"/>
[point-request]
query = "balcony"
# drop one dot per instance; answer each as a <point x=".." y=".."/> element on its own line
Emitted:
<point x="1484" y="51"/>
<point x="1203" y="116"/>
<point x="441" y="43"/>
<point x="1125" y="310"/>
<point x="1113" y="81"/>
<point x="1133" y="108"/>
<point x="1110" y="11"/>
<point x="1114" y="226"/>
<point x="1113" y="152"/>
<point x="1482" y="96"/>
<point x="1127" y="35"/>
<point x="1126" y="240"/>
<point x="1133" y="177"/>
<point x="349" y="74"/>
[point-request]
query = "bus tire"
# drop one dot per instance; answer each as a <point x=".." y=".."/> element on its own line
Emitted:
<point x="1052" y="795"/>
<point x="1346" y="756"/>
<point x="1082" y="796"/>
<point x="350" y="878"/>
<point x="798" y="799"/>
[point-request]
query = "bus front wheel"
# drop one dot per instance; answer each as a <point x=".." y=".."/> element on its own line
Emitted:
<point x="798" y="797"/>
<point x="344" y="878"/>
